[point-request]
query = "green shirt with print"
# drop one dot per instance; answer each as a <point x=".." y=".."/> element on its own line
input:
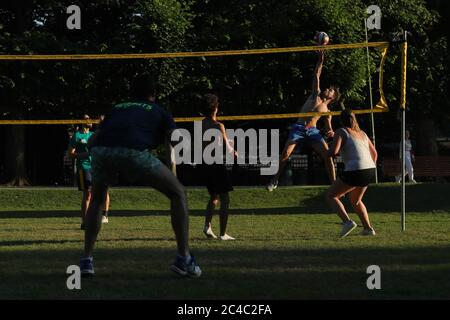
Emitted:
<point x="79" y="141"/>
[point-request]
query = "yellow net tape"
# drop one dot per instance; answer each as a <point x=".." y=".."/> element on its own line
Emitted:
<point x="404" y="48"/>
<point x="23" y="57"/>
<point x="381" y="106"/>
<point x="191" y="119"/>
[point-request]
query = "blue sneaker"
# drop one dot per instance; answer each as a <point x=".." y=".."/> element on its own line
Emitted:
<point x="186" y="267"/>
<point x="87" y="266"/>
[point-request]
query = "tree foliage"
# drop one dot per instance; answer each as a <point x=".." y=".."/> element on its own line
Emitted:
<point x="274" y="83"/>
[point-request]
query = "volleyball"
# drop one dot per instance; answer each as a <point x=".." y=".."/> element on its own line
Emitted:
<point x="322" y="38"/>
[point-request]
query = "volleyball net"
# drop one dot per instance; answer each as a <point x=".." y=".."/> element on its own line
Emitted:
<point x="380" y="106"/>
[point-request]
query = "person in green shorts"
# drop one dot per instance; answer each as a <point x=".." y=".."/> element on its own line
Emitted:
<point x="78" y="150"/>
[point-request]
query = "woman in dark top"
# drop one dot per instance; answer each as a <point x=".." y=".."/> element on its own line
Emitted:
<point x="215" y="175"/>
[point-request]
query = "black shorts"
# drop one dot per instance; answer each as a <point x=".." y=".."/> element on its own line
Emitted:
<point x="216" y="178"/>
<point x="84" y="179"/>
<point x="358" y="178"/>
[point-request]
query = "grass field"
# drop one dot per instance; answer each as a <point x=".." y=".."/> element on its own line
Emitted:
<point x="286" y="248"/>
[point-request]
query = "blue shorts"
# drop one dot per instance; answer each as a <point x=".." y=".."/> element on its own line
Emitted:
<point x="300" y="133"/>
<point x="132" y="165"/>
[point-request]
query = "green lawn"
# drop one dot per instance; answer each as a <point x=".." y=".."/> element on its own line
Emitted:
<point x="286" y="248"/>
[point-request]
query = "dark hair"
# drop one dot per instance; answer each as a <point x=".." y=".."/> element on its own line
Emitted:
<point x="348" y="119"/>
<point x="337" y="93"/>
<point x="143" y="86"/>
<point x="209" y="104"/>
<point x="85" y="125"/>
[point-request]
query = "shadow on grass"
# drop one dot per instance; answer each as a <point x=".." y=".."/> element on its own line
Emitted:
<point x="139" y="213"/>
<point x="10" y="243"/>
<point x="142" y="273"/>
<point x="386" y="198"/>
<point x="379" y="198"/>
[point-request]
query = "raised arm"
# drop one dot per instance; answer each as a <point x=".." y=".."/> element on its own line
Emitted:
<point x="317" y="73"/>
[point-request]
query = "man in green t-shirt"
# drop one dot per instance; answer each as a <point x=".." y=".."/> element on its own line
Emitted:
<point x="78" y="150"/>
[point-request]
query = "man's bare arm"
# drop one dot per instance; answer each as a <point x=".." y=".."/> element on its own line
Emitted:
<point x="230" y="148"/>
<point x="328" y="126"/>
<point x="317" y="73"/>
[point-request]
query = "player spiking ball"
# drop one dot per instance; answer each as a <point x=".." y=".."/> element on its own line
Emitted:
<point x="305" y="130"/>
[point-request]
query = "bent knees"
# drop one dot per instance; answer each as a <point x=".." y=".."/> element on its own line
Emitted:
<point x="356" y="203"/>
<point x="332" y="196"/>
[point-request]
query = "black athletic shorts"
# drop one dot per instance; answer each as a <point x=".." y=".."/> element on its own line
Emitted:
<point x="84" y="179"/>
<point x="358" y="178"/>
<point x="216" y="178"/>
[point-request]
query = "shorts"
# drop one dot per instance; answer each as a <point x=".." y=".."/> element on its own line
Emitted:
<point x="300" y="133"/>
<point x="131" y="164"/>
<point x="358" y="178"/>
<point x="216" y="178"/>
<point x="84" y="179"/>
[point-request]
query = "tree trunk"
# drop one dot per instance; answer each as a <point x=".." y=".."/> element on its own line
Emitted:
<point x="15" y="168"/>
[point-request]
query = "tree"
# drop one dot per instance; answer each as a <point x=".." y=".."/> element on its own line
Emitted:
<point x="57" y="89"/>
<point x="280" y="83"/>
<point x="427" y="78"/>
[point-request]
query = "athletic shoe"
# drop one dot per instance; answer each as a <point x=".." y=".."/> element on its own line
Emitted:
<point x="209" y="233"/>
<point x="87" y="266"/>
<point x="186" y="267"/>
<point x="272" y="185"/>
<point x="226" y="237"/>
<point x="104" y="219"/>
<point x="368" y="232"/>
<point x="347" y="227"/>
<point x="413" y="181"/>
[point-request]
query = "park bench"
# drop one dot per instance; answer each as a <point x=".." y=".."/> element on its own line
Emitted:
<point x="424" y="166"/>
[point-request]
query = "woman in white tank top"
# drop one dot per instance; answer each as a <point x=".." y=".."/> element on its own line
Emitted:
<point x="359" y="156"/>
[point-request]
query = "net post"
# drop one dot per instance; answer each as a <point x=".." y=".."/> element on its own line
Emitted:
<point x="370" y="95"/>
<point x="404" y="54"/>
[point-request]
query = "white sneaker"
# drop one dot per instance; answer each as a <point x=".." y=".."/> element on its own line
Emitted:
<point x="209" y="233"/>
<point x="226" y="237"/>
<point x="272" y="185"/>
<point x="367" y="232"/>
<point x="348" y="227"/>
<point x="105" y="219"/>
<point x="413" y="181"/>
